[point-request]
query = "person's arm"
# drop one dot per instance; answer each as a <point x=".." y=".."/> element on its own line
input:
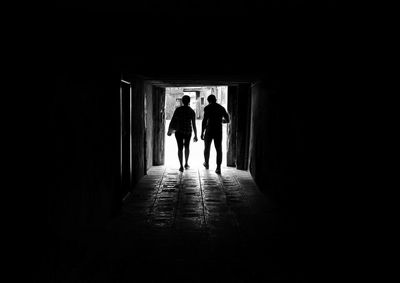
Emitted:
<point x="194" y="126"/>
<point x="226" y="116"/>
<point x="204" y="124"/>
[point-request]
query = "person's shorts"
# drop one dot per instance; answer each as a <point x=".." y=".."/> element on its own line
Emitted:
<point x="182" y="139"/>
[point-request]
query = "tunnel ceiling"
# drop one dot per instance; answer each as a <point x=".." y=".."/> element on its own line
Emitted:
<point x="190" y="48"/>
<point x="199" y="82"/>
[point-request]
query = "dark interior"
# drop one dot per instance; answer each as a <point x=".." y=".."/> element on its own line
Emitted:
<point x="270" y="55"/>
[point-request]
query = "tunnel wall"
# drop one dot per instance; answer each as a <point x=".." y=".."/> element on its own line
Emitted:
<point x="275" y="139"/>
<point x="243" y="125"/>
<point x="86" y="142"/>
<point x="138" y="130"/>
<point x="83" y="178"/>
<point x="148" y="88"/>
<point x="158" y="125"/>
<point x="84" y="191"/>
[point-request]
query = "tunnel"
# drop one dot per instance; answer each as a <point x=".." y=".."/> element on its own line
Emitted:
<point x="117" y="214"/>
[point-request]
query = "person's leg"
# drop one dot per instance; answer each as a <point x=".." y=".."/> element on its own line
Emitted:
<point x="207" y="145"/>
<point x="179" y="141"/>
<point x="218" y="148"/>
<point x="187" y="150"/>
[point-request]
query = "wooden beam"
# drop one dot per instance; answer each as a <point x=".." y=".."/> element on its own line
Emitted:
<point x="231" y="138"/>
<point x="158" y="125"/>
<point x="243" y="126"/>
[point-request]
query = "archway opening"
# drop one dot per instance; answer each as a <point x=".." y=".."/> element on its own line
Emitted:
<point x="198" y="100"/>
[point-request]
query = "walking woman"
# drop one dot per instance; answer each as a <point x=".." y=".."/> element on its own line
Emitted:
<point x="181" y="124"/>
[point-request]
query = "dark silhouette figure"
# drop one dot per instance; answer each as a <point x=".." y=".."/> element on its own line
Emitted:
<point x="181" y="124"/>
<point x="214" y="116"/>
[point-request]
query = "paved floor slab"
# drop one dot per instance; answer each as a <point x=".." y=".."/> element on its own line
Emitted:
<point x="194" y="226"/>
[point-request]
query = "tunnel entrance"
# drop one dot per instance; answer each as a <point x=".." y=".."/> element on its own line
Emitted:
<point x="198" y="100"/>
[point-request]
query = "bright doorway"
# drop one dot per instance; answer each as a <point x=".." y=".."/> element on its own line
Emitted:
<point x="198" y="100"/>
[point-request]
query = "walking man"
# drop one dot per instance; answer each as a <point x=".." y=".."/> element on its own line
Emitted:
<point x="211" y="129"/>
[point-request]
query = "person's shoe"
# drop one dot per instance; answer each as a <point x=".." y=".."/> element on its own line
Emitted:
<point x="181" y="169"/>
<point x="218" y="170"/>
<point x="187" y="167"/>
<point x="205" y="165"/>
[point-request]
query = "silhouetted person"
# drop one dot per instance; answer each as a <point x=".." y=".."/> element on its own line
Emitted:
<point x="214" y="116"/>
<point x="181" y="123"/>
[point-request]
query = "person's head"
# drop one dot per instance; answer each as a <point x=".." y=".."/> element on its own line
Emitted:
<point x="211" y="98"/>
<point x="186" y="100"/>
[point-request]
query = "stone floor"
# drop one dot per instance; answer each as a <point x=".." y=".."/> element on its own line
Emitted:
<point x="194" y="226"/>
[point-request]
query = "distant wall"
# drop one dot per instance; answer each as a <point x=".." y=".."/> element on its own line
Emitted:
<point x="172" y="94"/>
